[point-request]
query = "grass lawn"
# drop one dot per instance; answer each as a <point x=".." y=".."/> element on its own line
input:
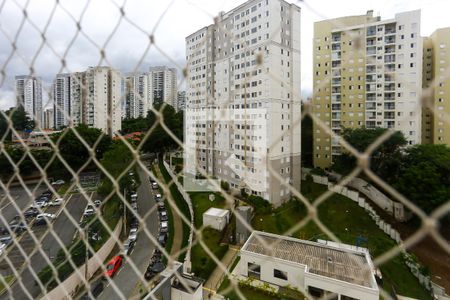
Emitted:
<point x="347" y="221"/>
<point x="202" y="263"/>
<point x="7" y="279"/>
<point x="181" y="204"/>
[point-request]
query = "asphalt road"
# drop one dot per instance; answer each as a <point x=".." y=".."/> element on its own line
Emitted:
<point x="21" y="199"/>
<point x="126" y="279"/>
<point x="65" y="230"/>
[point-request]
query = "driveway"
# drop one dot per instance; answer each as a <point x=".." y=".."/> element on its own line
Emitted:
<point x="126" y="279"/>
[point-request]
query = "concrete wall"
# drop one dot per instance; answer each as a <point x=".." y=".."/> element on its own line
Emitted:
<point x="67" y="289"/>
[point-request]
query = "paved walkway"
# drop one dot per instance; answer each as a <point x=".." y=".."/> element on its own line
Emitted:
<point x="214" y="281"/>
<point x="177" y="223"/>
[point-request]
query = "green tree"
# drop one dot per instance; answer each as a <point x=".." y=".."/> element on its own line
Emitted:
<point x="19" y="119"/>
<point x="73" y="151"/>
<point x="424" y="176"/>
<point x="385" y="159"/>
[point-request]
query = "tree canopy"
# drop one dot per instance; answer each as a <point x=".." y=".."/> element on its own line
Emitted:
<point x="19" y="119"/>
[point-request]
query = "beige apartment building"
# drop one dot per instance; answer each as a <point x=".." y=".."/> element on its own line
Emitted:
<point x="436" y="73"/>
<point x="366" y="74"/>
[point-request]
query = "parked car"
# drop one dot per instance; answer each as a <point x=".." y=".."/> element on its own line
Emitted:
<point x="41" y="203"/>
<point x="161" y="206"/>
<point x="2" y="248"/>
<point x="6" y="240"/>
<point x="47" y="193"/>
<point x="158" y="197"/>
<point x="133" y="196"/>
<point x="46" y="216"/>
<point x="56" y="202"/>
<point x="128" y="247"/>
<point x="154" y="185"/>
<point x="17" y="228"/>
<point x="134" y="205"/>
<point x="31" y="212"/>
<point x="154" y="269"/>
<point x="162" y="239"/>
<point x="58" y="182"/>
<point x="97" y="288"/>
<point x="134" y="222"/>
<point x="89" y="211"/>
<point x="163" y="215"/>
<point x="113" y="265"/>
<point x="133" y="234"/>
<point x="164" y="227"/>
<point x="97" y="203"/>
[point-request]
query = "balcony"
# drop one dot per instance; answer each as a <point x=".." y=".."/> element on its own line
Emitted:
<point x="389" y="78"/>
<point x="389" y="96"/>
<point x="336" y="90"/>
<point x="371" y="69"/>
<point x="389" y="115"/>
<point x="336" y="81"/>
<point x="370" y="124"/>
<point x="335" y="98"/>
<point x="371" y="42"/>
<point x="336" y="73"/>
<point x="336" y="64"/>
<point x="336" y="55"/>
<point x="389" y="29"/>
<point x="389" y="58"/>
<point x="370" y="115"/>
<point x="389" y="106"/>
<point x="371" y="97"/>
<point x="371" y="78"/>
<point x="335" y="106"/>
<point x="336" y="47"/>
<point x="370" y="106"/>
<point x="390" y="68"/>
<point x="371" y="50"/>
<point x="336" y="37"/>
<point x="389" y="87"/>
<point x="389" y="49"/>
<point x="335" y="116"/>
<point x="389" y="124"/>
<point x="371" y="31"/>
<point x="336" y="124"/>
<point x="371" y="87"/>
<point x="389" y="40"/>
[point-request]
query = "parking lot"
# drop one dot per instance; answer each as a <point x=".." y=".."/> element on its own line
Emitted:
<point x="63" y="229"/>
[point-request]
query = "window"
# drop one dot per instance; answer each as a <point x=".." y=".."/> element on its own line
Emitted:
<point x="280" y="274"/>
<point x="254" y="270"/>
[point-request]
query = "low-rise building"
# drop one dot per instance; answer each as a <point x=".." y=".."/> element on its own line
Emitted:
<point x="216" y="218"/>
<point x="316" y="268"/>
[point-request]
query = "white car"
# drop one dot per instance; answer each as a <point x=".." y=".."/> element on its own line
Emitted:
<point x="164" y="227"/>
<point x="58" y="182"/>
<point x="89" y="211"/>
<point x="133" y="234"/>
<point x="41" y="204"/>
<point x="56" y="202"/>
<point x="46" y="216"/>
<point x="133" y="196"/>
<point x="97" y="203"/>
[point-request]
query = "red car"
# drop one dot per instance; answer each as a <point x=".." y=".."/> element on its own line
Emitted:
<point x="113" y="265"/>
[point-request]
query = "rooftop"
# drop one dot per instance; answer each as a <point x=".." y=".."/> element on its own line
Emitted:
<point x="338" y="263"/>
<point x="217" y="212"/>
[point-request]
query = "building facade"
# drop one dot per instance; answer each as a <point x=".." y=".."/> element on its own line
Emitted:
<point x="366" y="74"/>
<point x="137" y="95"/>
<point x="181" y="101"/>
<point x="163" y="85"/>
<point x="61" y="100"/>
<point x="436" y="81"/>
<point x="29" y="95"/>
<point x="102" y="107"/>
<point x="49" y="119"/>
<point x="327" y="269"/>
<point x="242" y="99"/>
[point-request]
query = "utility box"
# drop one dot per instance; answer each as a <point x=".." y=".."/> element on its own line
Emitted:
<point x="216" y="218"/>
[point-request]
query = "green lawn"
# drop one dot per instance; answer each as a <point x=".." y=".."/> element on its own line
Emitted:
<point x="347" y="221"/>
<point x="181" y="204"/>
<point x="7" y="279"/>
<point x="202" y="264"/>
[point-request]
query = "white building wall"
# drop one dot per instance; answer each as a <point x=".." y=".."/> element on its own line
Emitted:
<point x="29" y="95"/>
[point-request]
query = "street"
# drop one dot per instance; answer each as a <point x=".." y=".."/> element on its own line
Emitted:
<point x="62" y="228"/>
<point x="126" y="279"/>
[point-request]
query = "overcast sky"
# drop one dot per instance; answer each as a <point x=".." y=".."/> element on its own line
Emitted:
<point x="126" y="49"/>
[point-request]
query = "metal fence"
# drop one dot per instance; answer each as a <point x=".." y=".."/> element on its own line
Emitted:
<point x="56" y="247"/>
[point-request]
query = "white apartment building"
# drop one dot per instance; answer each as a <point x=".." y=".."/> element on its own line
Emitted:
<point x="102" y="108"/>
<point x="61" y="100"/>
<point x="321" y="269"/>
<point x="163" y="85"/>
<point x="137" y="95"/>
<point x="181" y="101"/>
<point x="77" y="97"/>
<point x="48" y="119"/>
<point x="29" y="95"/>
<point x="243" y="99"/>
<point x="367" y="72"/>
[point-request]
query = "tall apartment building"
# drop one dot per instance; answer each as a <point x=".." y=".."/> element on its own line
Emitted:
<point x="436" y="72"/>
<point x="163" y="85"/>
<point x="181" y="101"/>
<point x="137" y="95"/>
<point x="29" y="95"/>
<point x="102" y="107"/>
<point x="61" y="100"/>
<point x="49" y="119"/>
<point x="367" y="73"/>
<point x="92" y="97"/>
<point x="246" y="66"/>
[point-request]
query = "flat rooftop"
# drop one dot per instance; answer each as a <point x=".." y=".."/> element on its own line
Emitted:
<point x="333" y="262"/>
<point x="217" y="212"/>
